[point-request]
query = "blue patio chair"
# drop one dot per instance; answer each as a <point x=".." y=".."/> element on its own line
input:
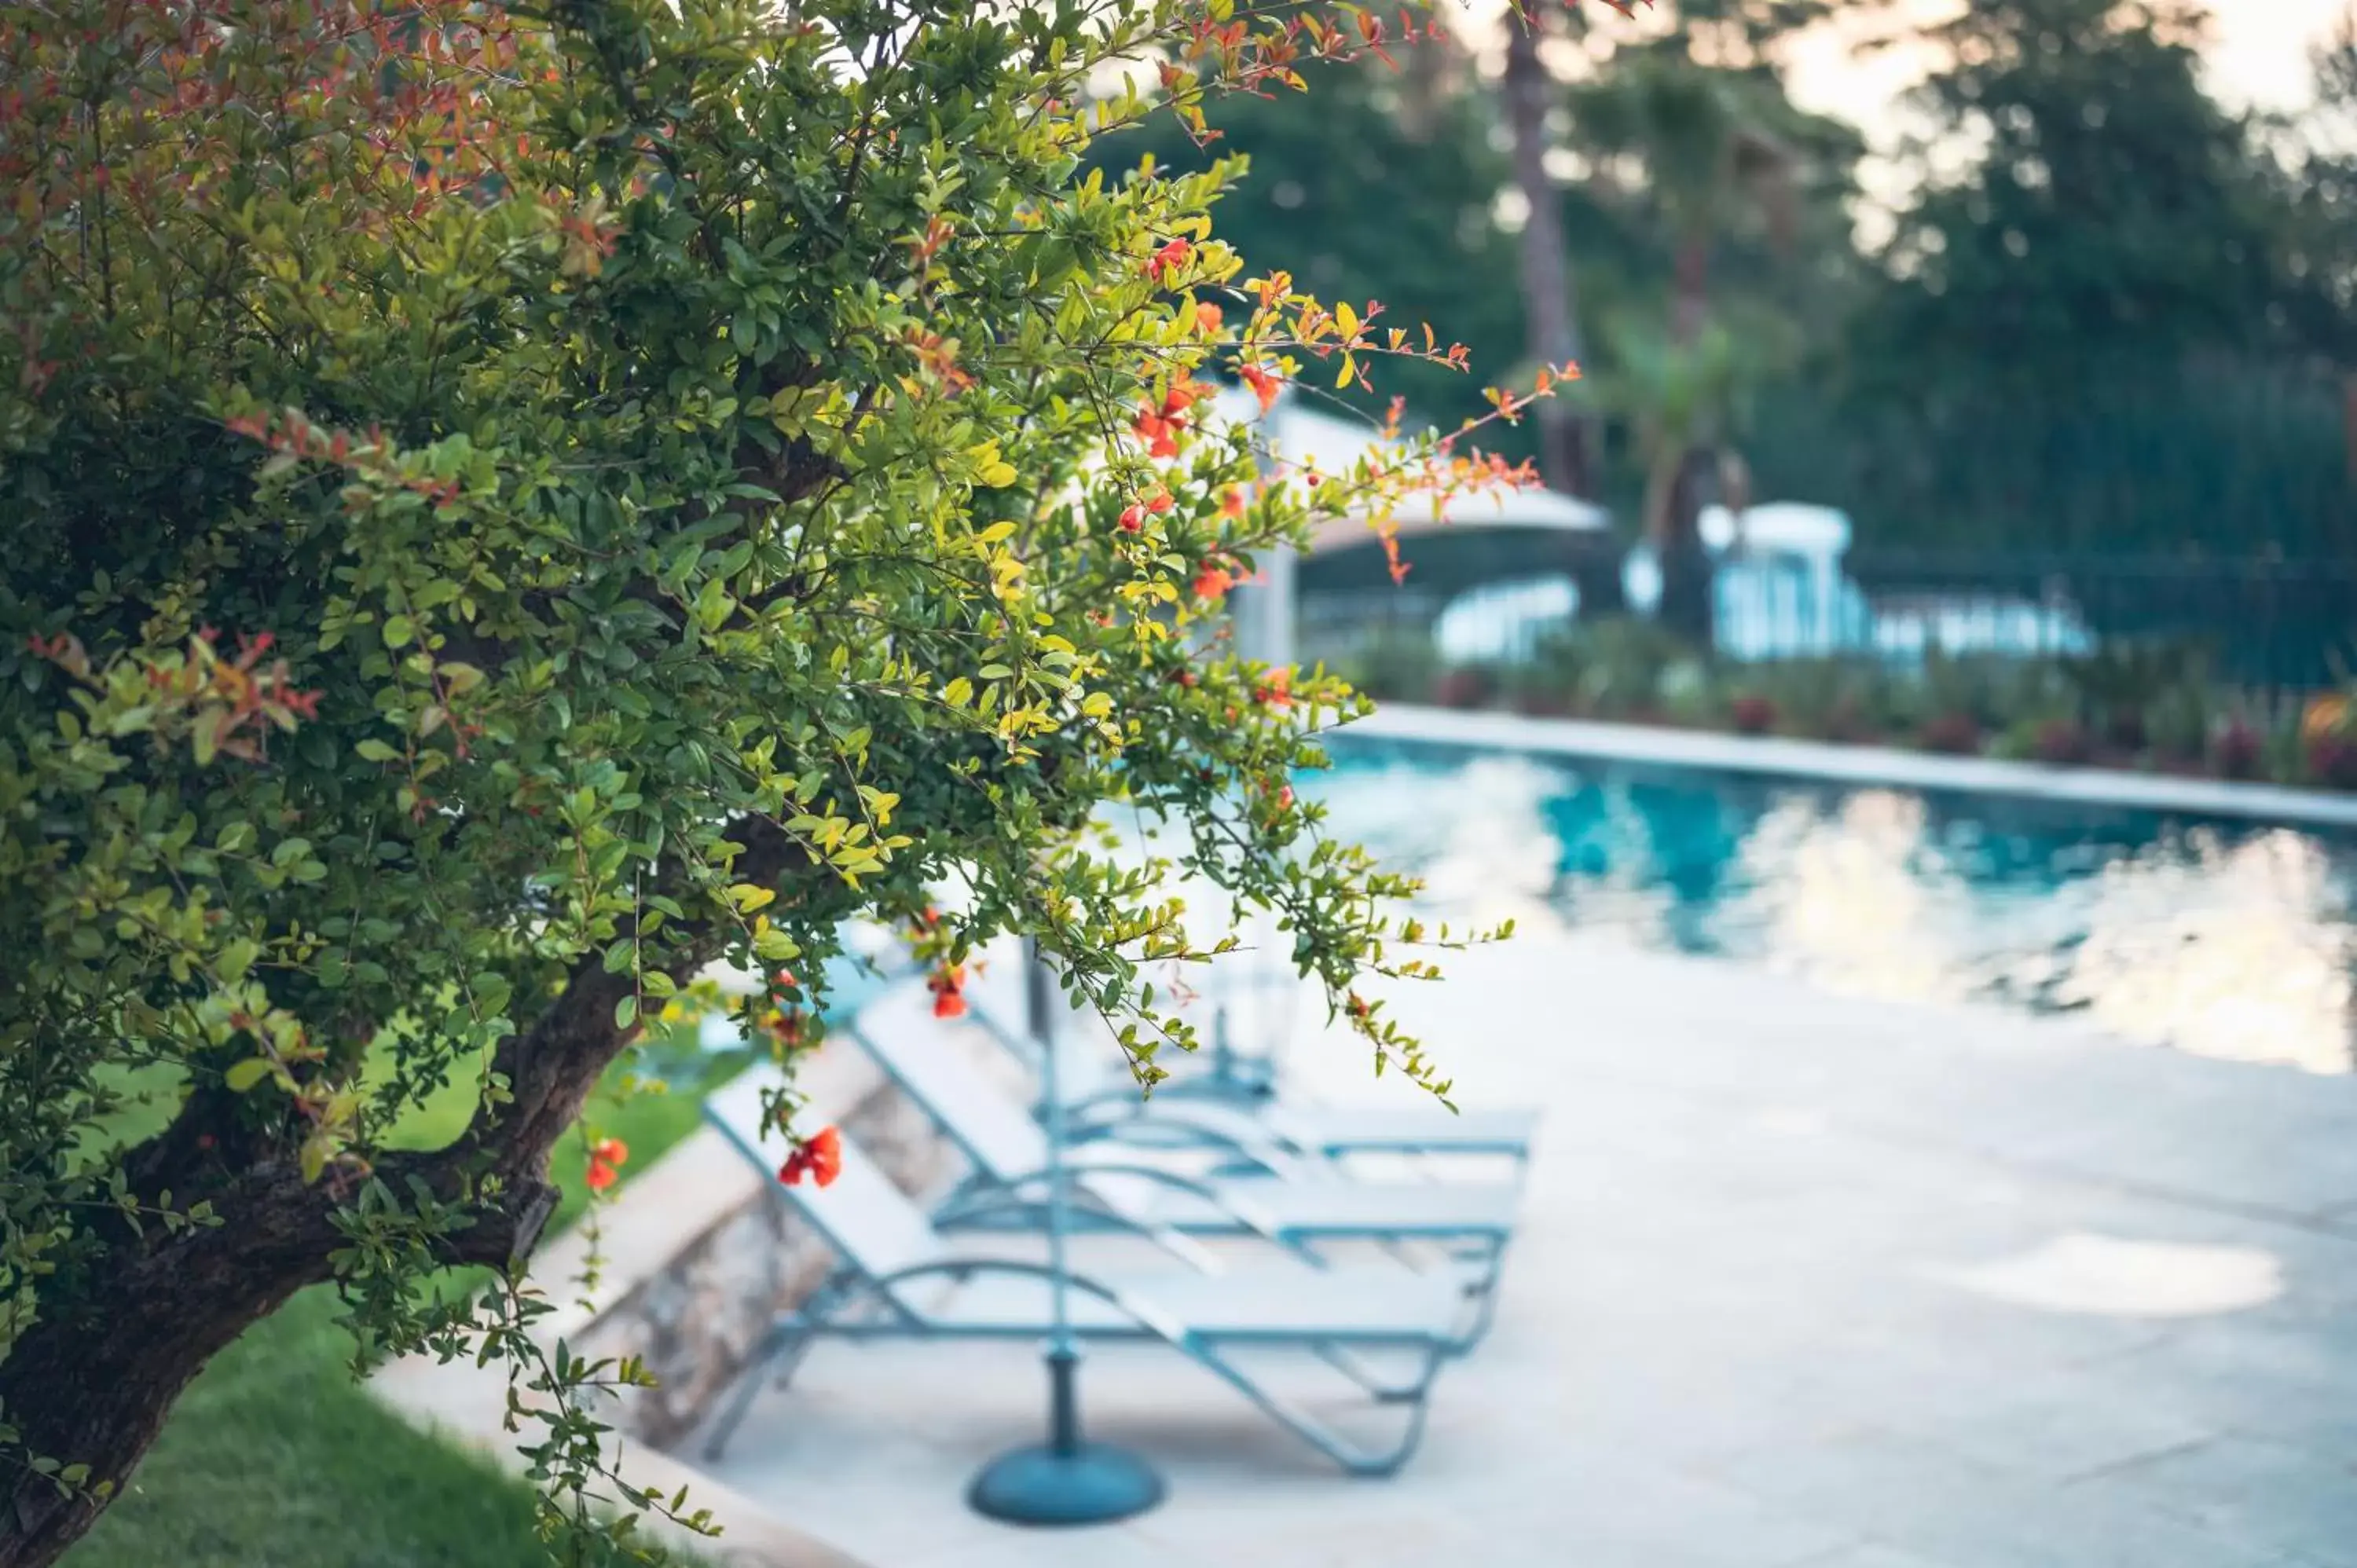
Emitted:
<point x="1292" y="1203"/>
<point x="893" y="1263"/>
<point x="1307" y="1131"/>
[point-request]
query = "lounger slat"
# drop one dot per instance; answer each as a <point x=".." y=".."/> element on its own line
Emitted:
<point x="1289" y="1307"/>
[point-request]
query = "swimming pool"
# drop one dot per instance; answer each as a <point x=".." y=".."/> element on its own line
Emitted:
<point x="2230" y="940"/>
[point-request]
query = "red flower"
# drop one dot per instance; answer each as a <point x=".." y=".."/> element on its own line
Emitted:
<point x="1168" y="259"/>
<point x="820" y="1157"/>
<point x="1264" y="386"/>
<point x="1160" y="434"/>
<point x="1285" y="797"/>
<point x="1276" y="691"/>
<point x="1133" y="518"/>
<point x="1160" y="501"/>
<point x="606" y="1156"/>
<point x="1182" y="394"/>
<point x="948" y="986"/>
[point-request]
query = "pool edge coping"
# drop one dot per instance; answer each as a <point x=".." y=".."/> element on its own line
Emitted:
<point x="1825" y="762"/>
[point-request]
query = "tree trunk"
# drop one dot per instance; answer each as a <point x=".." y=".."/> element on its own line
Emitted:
<point x="1686" y="597"/>
<point x="118" y="1340"/>
<point x="1567" y="446"/>
<point x="1686" y="606"/>
<point x="92" y="1382"/>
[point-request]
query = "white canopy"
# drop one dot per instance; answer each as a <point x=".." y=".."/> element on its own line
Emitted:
<point x="1778" y="527"/>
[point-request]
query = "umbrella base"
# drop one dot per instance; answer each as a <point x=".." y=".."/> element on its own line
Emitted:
<point x="1091" y="1483"/>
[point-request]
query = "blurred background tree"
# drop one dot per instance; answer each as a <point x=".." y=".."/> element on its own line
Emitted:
<point x="2095" y="307"/>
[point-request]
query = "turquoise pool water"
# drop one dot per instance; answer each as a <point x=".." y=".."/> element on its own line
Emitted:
<point x="2228" y="940"/>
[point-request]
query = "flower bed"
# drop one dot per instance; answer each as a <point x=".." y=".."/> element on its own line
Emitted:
<point x="2145" y="708"/>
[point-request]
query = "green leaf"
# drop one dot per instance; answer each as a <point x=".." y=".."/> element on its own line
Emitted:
<point x="374" y="750"/>
<point x="242" y="1076"/>
<point x="626" y="1011"/>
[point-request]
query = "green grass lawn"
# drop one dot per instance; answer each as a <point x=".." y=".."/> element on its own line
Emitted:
<point x="276" y="1458"/>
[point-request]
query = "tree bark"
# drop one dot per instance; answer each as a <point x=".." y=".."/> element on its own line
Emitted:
<point x="1687" y="602"/>
<point x="1550" y="307"/>
<point x="1687" y="608"/>
<point x="92" y="1380"/>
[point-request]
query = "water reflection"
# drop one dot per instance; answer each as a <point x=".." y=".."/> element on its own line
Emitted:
<point x="2229" y="942"/>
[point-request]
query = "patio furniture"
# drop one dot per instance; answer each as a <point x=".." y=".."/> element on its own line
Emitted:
<point x="1122" y="1109"/>
<point x="914" y="1285"/>
<point x="1292" y="1203"/>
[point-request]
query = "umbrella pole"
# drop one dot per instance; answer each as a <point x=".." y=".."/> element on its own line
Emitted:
<point x="1067" y="1479"/>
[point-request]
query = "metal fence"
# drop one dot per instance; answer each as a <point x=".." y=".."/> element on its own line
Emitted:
<point x="2269" y="626"/>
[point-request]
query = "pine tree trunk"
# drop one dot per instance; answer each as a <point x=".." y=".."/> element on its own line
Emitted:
<point x="1567" y="446"/>
<point x="1685" y="607"/>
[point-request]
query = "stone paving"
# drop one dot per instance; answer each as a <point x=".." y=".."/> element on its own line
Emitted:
<point x="1805" y="1282"/>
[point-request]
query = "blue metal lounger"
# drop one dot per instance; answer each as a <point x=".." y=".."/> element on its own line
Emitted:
<point x="1294" y="1204"/>
<point x="1311" y="1131"/>
<point x="896" y="1266"/>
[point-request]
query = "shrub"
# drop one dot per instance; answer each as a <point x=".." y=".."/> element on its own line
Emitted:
<point x="1397" y="665"/>
<point x="1751" y="714"/>
<point x="2061" y="742"/>
<point x="1956" y="733"/>
<point x="675" y="475"/>
<point x="2238" y="750"/>
<point x="2177" y="723"/>
<point x="2331" y="761"/>
<point x="1467" y="687"/>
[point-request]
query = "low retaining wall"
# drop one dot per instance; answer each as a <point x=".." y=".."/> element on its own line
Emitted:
<point x="700" y="1253"/>
<point x="694" y="1317"/>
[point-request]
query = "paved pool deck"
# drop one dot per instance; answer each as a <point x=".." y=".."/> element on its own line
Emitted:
<point x="1805" y="1282"/>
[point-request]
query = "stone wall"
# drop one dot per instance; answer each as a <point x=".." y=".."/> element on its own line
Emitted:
<point x="701" y="1252"/>
<point x="697" y="1319"/>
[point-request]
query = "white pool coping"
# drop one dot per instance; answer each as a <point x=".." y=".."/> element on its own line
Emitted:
<point x="1859" y="765"/>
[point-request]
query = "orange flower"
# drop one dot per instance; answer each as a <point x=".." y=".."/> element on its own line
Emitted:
<point x="1182" y="394"/>
<point x="1208" y="318"/>
<point x="820" y="1157"/>
<point x="1160" y="501"/>
<point x="1168" y="259"/>
<point x="948" y="986"/>
<point x="1232" y="503"/>
<point x="601" y="1176"/>
<point x="1276" y="691"/>
<point x="1264" y="386"/>
<point x="1160" y="434"/>
<point x="1212" y="581"/>
<point x="2326" y="715"/>
<point x="611" y="1151"/>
